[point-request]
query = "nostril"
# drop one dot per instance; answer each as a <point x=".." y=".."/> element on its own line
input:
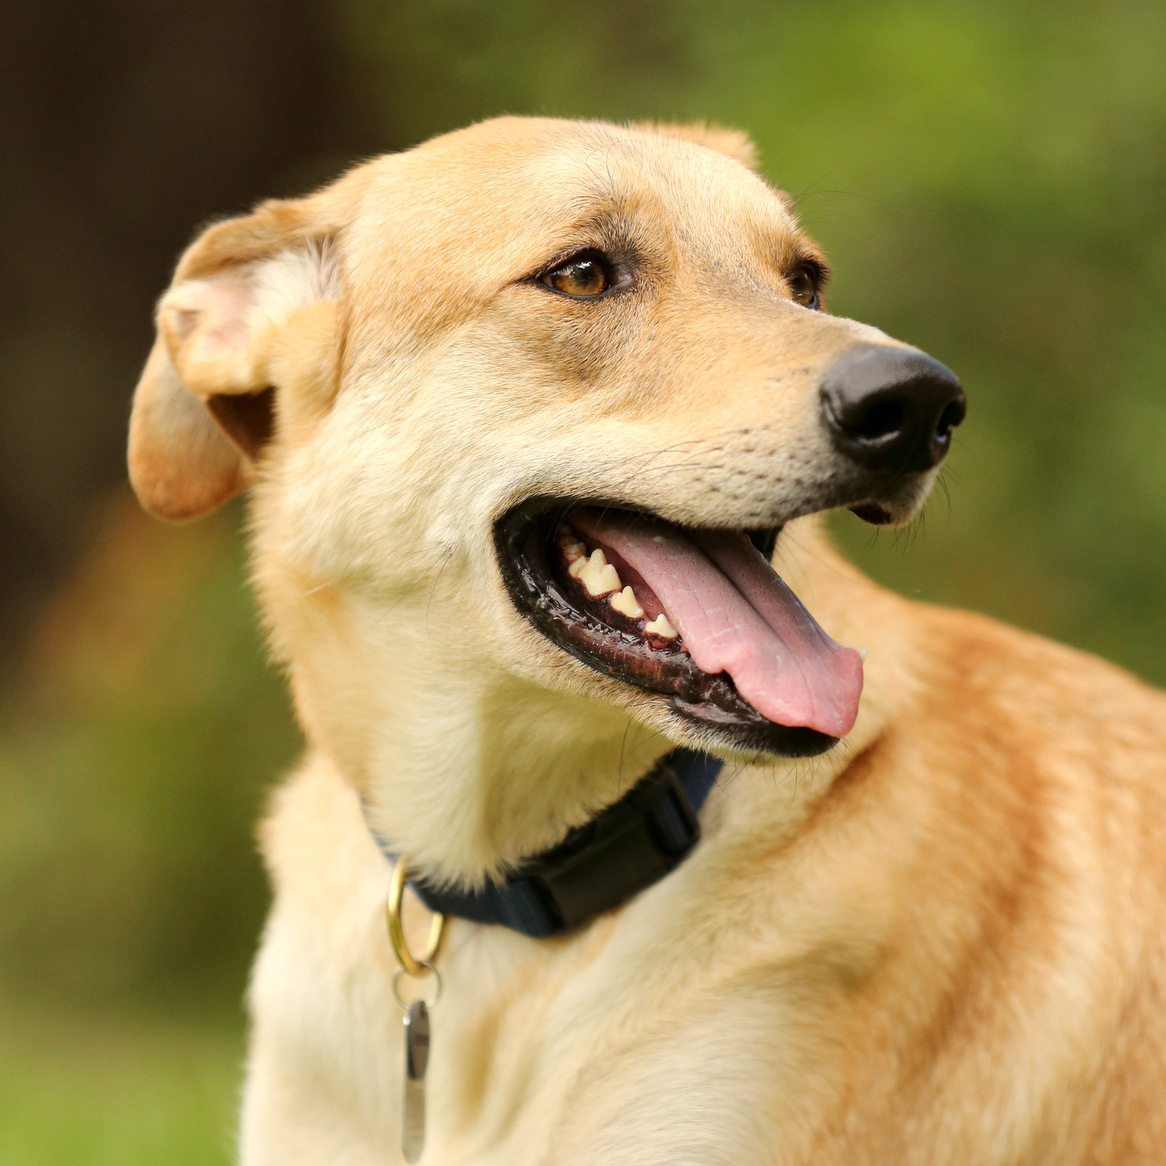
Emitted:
<point x="878" y="419"/>
<point x="951" y="416"/>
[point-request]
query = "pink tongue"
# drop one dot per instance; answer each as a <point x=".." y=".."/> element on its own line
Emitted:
<point x="736" y="615"/>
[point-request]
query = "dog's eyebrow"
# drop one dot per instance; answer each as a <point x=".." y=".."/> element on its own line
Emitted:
<point x="614" y="229"/>
<point x="791" y="251"/>
<point x="811" y="257"/>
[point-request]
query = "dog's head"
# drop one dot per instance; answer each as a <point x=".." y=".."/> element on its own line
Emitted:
<point x="522" y="407"/>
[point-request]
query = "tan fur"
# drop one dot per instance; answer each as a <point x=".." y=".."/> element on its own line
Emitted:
<point x="941" y="942"/>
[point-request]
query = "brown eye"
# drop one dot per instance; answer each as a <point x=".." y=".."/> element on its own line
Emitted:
<point x="581" y="278"/>
<point x="803" y="286"/>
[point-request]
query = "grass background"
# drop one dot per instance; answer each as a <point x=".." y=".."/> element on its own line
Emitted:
<point x="989" y="182"/>
<point x="130" y="1090"/>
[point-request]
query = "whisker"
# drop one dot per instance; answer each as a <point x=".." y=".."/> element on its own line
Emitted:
<point x="433" y="592"/>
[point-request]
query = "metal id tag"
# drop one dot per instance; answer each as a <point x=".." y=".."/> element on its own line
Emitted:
<point x="416" y="1063"/>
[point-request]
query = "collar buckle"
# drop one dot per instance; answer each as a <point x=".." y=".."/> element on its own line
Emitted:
<point x="624" y="850"/>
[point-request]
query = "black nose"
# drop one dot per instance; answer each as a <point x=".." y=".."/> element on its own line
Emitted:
<point x="892" y="410"/>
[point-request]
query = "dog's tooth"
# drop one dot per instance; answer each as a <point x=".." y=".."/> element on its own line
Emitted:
<point x="626" y="604"/>
<point x="599" y="576"/>
<point x="596" y="561"/>
<point x="578" y="567"/>
<point x="572" y="549"/>
<point x="862" y="654"/>
<point x="661" y="626"/>
<point x="608" y="581"/>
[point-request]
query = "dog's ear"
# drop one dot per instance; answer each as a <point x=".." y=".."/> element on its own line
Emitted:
<point x="251" y="314"/>
<point x="735" y="143"/>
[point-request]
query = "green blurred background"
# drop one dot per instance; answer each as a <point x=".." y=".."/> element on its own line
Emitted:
<point x="989" y="182"/>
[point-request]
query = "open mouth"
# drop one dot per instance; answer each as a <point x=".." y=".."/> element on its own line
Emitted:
<point x="696" y="615"/>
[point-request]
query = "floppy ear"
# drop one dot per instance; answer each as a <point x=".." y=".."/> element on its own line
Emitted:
<point x="735" y="143"/>
<point x="251" y="314"/>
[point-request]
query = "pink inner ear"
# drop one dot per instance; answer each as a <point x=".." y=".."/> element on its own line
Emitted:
<point x="226" y="328"/>
<point x="206" y="323"/>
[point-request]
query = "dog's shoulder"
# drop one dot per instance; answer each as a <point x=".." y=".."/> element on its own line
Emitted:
<point x="1048" y="697"/>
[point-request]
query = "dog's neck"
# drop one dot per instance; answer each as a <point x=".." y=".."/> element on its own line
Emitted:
<point x="469" y="769"/>
<point x="598" y="866"/>
<point x="490" y="790"/>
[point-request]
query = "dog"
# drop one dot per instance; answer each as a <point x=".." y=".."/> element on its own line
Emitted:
<point x="524" y="413"/>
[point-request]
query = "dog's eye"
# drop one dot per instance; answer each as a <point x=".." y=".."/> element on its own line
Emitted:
<point x="582" y="277"/>
<point x="803" y="285"/>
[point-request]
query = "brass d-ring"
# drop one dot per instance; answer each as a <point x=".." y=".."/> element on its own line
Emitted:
<point x="407" y="960"/>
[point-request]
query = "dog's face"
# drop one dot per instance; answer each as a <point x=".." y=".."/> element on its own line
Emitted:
<point x="518" y="405"/>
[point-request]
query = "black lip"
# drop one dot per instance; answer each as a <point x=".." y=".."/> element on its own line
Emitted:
<point x="523" y="537"/>
<point x="873" y="514"/>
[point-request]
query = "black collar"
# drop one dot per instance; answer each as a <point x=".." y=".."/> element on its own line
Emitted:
<point x="623" y="850"/>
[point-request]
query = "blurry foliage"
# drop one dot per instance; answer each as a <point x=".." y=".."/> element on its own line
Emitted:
<point x="132" y="767"/>
<point x="126" y="124"/>
<point x="989" y="182"/>
<point x="107" y="1090"/>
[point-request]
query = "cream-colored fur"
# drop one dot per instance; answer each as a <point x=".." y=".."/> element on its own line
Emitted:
<point x="940" y="942"/>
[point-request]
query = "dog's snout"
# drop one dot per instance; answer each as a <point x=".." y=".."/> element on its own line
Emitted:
<point x="891" y="410"/>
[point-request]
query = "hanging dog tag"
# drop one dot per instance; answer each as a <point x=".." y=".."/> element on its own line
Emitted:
<point x="416" y="1062"/>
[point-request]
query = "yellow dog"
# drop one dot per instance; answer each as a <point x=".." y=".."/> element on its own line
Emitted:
<point x="517" y="407"/>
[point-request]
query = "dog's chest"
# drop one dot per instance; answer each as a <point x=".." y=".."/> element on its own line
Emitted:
<point x="527" y="1069"/>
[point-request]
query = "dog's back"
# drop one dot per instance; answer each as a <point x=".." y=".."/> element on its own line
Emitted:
<point x="1015" y="814"/>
